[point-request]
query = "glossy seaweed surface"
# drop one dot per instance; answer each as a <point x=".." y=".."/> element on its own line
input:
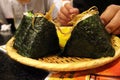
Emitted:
<point x="36" y="39"/>
<point x="89" y="39"/>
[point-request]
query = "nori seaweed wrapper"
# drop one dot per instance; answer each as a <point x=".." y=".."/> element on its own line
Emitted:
<point x="22" y="30"/>
<point x="89" y="39"/>
<point x="39" y="38"/>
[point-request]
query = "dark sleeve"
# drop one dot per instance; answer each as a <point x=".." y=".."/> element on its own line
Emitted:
<point x="83" y="5"/>
<point x="12" y="70"/>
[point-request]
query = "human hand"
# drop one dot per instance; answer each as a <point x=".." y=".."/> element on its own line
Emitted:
<point x="66" y="13"/>
<point x="111" y="19"/>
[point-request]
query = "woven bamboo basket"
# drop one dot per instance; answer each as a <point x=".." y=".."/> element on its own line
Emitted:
<point x="56" y="63"/>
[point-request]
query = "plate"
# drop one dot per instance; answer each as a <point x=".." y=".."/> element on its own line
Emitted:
<point x="56" y="63"/>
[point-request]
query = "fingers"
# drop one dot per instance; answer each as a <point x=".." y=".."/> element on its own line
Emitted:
<point x="64" y="15"/>
<point x="117" y="31"/>
<point x="109" y="13"/>
<point x="65" y="10"/>
<point x="62" y="19"/>
<point x="71" y="9"/>
<point x="73" y="12"/>
<point x="111" y="19"/>
<point x="114" y="25"/>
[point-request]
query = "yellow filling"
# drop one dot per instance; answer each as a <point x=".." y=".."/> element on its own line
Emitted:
<point x="63" y="35"/>
<point x="64" y="32"/>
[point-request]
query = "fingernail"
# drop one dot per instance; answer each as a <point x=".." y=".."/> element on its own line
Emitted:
<point x="103" y="21"/>
<point x="71" y="11"/>
<point x="108" y="30"/>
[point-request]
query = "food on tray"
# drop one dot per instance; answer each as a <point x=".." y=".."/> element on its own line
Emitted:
<point x="56" y="63"/>
<point x="88" y="39"/>
<point x="36" y="36"/>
